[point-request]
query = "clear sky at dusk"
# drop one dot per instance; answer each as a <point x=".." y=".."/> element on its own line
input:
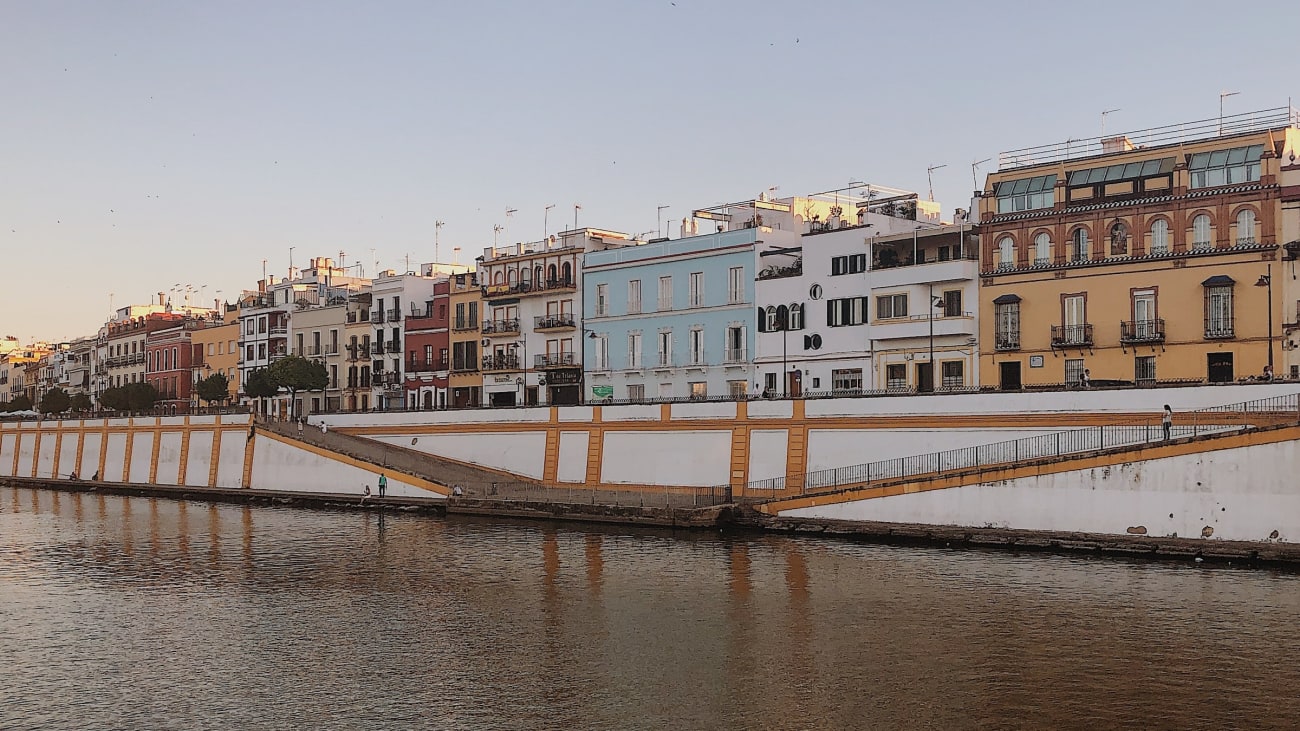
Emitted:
<point x="145" y="144"/>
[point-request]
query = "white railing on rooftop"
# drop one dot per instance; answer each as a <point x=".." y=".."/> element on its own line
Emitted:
<point x="1231" y="124"/>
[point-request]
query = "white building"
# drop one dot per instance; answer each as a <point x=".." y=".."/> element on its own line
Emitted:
<point x="844" y="310"/>
<point x="391" y="293"/>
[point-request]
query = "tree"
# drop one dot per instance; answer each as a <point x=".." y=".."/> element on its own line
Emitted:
<point x="215" y="387"/>
<point x="81" y="402"/>
<point x="140" y="396"/>
<point x="296" y="373"/>
<point x="259" y="385"/>
<point x="114" y="399"/>
<point x="20" y="403"/>
<point x="55" y="401"/>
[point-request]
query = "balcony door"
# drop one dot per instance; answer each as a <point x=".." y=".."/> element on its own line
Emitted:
<point x="924" y="377"/>
<point x="1075" y="316"/>
<point x="1144" y="314"/>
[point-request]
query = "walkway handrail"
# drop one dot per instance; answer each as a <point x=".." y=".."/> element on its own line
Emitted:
<point x="1196" y="423"/>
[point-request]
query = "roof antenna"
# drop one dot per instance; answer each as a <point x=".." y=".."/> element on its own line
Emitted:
<point x="975" y="166"/>
<point x="1103" y="119"/>
<point x="929" y="176"/>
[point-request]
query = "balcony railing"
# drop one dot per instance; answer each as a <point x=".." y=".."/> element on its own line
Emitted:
<point x="352" y="318"/>
<point x="377" y="347"/>
<point x="280" y="329"/>
<point x="394" y="315"/>
<point x="1219" y="330"/>
<point x="1142" y="331"/>
<point x="500" y="363"/>
<point x="508" y="326"/>
<point x="556" y="360"/>
<point x="394" y="347"/>
<point x="532" y="287"/>
<point x="780" y="272"/>
<point x="377" y="317"/>
<point x="463" y="323"/>
<point x="1071" y="335"/>
<point x="554" y="322"/>
<point x="422" y="365"/>
<point x="1003" y="340"/>
<point x="735" y="355"/>
<point x="277" y="355"/>
<point x="467" y="366"/>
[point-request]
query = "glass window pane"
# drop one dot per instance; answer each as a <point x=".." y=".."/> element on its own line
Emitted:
<point x="1036" y="184"/>
<point x="1218" y="158"/>
<point x="1132" y="170"/>
<point x="1021" y="186"/>
<point x="1114" y="172"/>
<point x="1252" y="171"/>
<point x="1237" y="155"/>
<point x="1150" y="167"/>
<point x="1253" y="152"/>
<point x="1001" y="189"/>
<point x="1079" y="177"/>
<point x="1199" y="161"/>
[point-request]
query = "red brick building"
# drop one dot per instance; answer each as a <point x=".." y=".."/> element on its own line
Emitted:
<point x="427" y="343"/>
<point x="170" y="360"/>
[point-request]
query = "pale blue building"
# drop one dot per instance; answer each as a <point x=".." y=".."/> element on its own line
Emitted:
<point x="671" y="319"/>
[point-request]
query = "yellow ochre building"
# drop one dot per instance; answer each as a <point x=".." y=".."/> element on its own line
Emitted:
<point x="1142" y="258"/>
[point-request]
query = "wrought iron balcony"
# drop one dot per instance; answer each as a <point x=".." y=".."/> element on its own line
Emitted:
<point x="500" y="363"/>
<point x="394" y="315"/>
<point x="1066" y="336"/>
<point x="377" y="347"/>
<point x="735" y="355"/>
<point x="423" y="365"/>
<point x="508" y="326"/>
<point x="1142" y="331"/>
<point x="377" y="317"/>
<point x="1006" y="340"/>
<point x="563" y="320"/>
<point x="556" y="360"/>
<point x="394" y="347"/>
<point x="1219" y="330"/>
<point x="464" y="323"/>
<point x="466" y="366"/>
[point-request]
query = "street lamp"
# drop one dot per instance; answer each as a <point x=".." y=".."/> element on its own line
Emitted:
<point x="935" y="303"/>
<point x="1266" y="280"/>
<point x="582" y="374"/>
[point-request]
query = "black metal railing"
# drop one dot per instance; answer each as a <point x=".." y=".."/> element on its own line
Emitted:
<point x="1142" y="331"/>
<point x="1219" y="329"/>
<point x="563" y="319"/>
<point x="1068" y="335"/>
<point x="501" y="327"/>
<point x="424" y="365"/>
<point x="556" y="360"/>
<point x="1270" y="411"/>
<point x="464" y="323"/>
<point x="500" y="362"/>
<point x="1006" y="340"/>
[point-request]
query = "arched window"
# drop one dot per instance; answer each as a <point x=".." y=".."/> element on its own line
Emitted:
<point x="1080" y="240"/>
<point x="498" y="277"/>
<point x="1042" y="249"/>
<point x="1245" y="227"/>
<point x="1201" y="232"/>
<point x="525" y="276"/>
<point x="1160" y="237"/>
<point x="796" y="317"/>
<point x="537" y="274"/>
<point x="510" y="277"/>
<point x="1118" y="238"/>
<point x="568" y="273"/>
<point x="782" y="317"/>
<point x="1006" y="253"/>
<point x="550" y="273"/>
<point x="771" y="319"/>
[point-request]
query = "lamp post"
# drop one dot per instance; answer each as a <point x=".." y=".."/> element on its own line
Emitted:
<point x="935" y="303"/>
<point x="1266" y="280"/>
<point x="582" y="374"/>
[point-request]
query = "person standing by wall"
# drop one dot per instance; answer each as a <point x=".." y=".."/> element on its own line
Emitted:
<point x="1167" y="421"/>
<point x="383" y="484"/>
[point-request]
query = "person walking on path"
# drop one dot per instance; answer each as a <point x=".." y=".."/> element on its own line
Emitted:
<point x="1167" y="421"/>
<point x="383" y="484"/>
<point x="300" y="428"/>
<point x="1086" y="379"/>
<point x="365" y="493"/>
<point x="324" y="428"/>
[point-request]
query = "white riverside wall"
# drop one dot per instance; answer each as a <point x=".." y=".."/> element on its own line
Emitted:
<point x="279" y="466"/>
<point x="523" y="453"/>
<point x="687" y="458"/>
<point x="1241" y="494"/>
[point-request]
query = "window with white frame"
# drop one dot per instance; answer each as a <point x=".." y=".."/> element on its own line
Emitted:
<point x="846" y="379"/>
<point x="665" y="293"/>
<point x="1042" y="249"/>
<point x="1245" y="227"/>
<point x="602" y="299"/>
<point x="1225" y="167"/>
<point x="735" y="285"/>
<point x="634" y="297"/>
<point x="953" y="373"/>
<point x="634" y="350"/>
<point x="896" y="376"/>
<point x="699" y="389"/>
<point x="635" y="392"/>
<point x="1079" y="239"/>
<point x="1218" y="311"/>
<point x="601" y="352"/>
<point x="795" y="321"/>
<point x="890" y="306"/>
<point x="1201" y="232"/>
<point x="697" y="346"/>
<point x="696" y="286"/>
<point x="665" y="348"/>
<point x="1006" y="252"/>
<point x="735" y="345"/>
<point x="1160" y="237"/>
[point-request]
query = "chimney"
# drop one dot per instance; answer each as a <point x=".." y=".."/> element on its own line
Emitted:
<point x="1118" y="143"/>
<point x="162" y="299"/>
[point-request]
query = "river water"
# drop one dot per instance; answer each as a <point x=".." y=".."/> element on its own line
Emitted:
<point x="134" y="613"/>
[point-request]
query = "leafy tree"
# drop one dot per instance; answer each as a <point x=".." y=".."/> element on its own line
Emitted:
<point x="140" y="396"/>
<point x="55" y="401"/>
<point x="4" y="407"/>
<point x="81" y="402"/>
<point x="296" y="373"/>
<point x="114" y="399"/>
<point x="20" y="403"/>
<point x="259" y="385"/>
<point x="215" y="387"/>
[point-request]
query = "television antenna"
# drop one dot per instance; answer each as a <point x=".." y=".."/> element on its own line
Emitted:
<point x="975" y="166"/>
<point x="1103" y="119"/>
<point x="496" y="233"/>
<point x="437" y="227"/>
<point x="929" y="175"/>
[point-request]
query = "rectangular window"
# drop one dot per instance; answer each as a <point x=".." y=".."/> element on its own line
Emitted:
<point x="952" y="303"/>
<point x="846" y="312"/>
<point x="666" y="349"/>
<point x="737" y="389"/>
<point x="735" y="285"/>
<point x="1218" y="312"/>
<point x="634" y="350"/>
<point x="1225" y="167"/>
<point x="665" y="293"/>
<point x="601" y="343"/>
<point x="953" y="374"/>
<point x="891" y="306"/>
<point x="636" y="392"/>
<point x="696" y="285"/>
<point x="261" y="324"/>
<point x="1073" y="370"/>
<point x="1006" y="325"/>
<point x="1026" y="194"/>
<point x="634" y="297"/>
<point x="769" y="383"/>
<point x="212" y="347"/>
<point x="846" y="379"/>
<point x="699" y="390"/>
<point x="896" y="376"/>
<point x="850" y="264"/>
<point x="697" y="346"/>
<point x="735" y="345"/>
<point x="602" y="299"/>
<point x="1144" y="368"/>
